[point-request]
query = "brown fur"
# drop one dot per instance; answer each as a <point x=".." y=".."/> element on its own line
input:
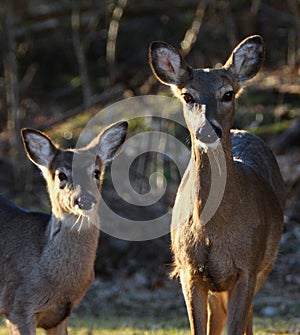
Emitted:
<point x="222" y="263"/>
<point x="47" y="260"/>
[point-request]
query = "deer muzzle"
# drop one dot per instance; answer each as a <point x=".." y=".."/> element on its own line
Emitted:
<point x="202" y="126"/>
<point x="209" y="133"/>
<point x="85" y="202"/>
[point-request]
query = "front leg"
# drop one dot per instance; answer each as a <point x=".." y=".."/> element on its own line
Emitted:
<point x="60" y="329"/>
<point x="240" y="306"/>
<point x="249" y="330"/>
<point x="195" y="296"/>
<point x="20" y="326"/>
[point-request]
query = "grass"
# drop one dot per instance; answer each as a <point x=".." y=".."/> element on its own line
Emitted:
<point x="128" y="326"/>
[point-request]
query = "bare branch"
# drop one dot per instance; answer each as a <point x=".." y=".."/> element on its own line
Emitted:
<point x="79" y="51"/>
<point x="112" y="36"/>
<point x="10" y="65"/>
<point x="192" y="33"/>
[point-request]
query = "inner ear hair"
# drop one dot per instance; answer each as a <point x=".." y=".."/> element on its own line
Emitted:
<point x="167" y="64"/>
<point x="246" y="59"/>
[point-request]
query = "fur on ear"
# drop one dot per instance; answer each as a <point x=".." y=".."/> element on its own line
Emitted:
<point x="110" y="140"/>
<point x="39" y="148"/>
<point x="167" y="64"/>
<point x="247" y="58"/>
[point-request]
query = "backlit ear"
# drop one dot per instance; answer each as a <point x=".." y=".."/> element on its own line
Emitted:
<point x="39" y="147"/>
<point x="110" y="140"/>
<point x="167" y="64"/>
<point x="247" y="58"/>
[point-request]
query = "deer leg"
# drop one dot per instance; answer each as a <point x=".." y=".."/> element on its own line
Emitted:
<point x="195" y="296"/>
<point x="19" y="326"/>
<point x="249" y="330"/>
<point x="60" y="329"/>
<point x="217" y="306"/>
<point x="240" y="306"/>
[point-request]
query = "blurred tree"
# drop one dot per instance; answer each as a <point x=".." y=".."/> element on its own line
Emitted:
<point x="10" y="67"/>
<point x="79" y="51"/>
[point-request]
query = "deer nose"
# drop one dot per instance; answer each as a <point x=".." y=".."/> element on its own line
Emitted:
<point x="85" y="202"/>
<point x="209" y="133"/>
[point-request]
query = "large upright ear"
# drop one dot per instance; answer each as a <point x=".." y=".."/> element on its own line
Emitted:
<point x="247" y="58"/>
<point x="39" y="147"/>
<point x="167" y="64"/>
<point x="110" y="140"/>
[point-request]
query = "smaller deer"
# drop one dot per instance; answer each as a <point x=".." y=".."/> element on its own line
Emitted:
<point x="47" y="260"/>
<point x="224" y="261"/>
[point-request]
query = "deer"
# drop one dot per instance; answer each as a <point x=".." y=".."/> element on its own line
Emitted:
<point x="47" y="260"/>
<point x="221" y="259"/>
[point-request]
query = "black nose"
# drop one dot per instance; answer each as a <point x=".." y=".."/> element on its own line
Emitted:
<point x="209" y="133"/>
<point x="85" y="202"/>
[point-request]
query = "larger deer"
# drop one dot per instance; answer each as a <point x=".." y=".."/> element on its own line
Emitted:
<point x="47" y="260"/>
<point x="222" y="262"/>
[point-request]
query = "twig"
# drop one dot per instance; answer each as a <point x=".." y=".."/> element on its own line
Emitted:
<point x="85" y="82"/>
<point x="192" y="33"/>
<point x="112" y="37"/>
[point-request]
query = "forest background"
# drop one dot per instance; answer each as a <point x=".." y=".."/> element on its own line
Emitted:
<point x="64" y="61"/>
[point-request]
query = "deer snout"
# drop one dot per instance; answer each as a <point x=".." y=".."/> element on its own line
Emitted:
<point x="209" y="133"/>
<point x="85" y="202"/>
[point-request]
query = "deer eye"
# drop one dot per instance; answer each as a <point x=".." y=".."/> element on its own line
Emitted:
<point x="62" y="176"/>
<point x="97" y="174"/>
<point x="188" y="98"/>
<point x="63" y="180"/>
<point x="228" y="96"/>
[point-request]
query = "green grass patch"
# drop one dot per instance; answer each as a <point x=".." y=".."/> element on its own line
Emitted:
<point x="129" y="326"/>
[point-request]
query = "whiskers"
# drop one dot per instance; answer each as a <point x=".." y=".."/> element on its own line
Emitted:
<point x="81" y="220"/>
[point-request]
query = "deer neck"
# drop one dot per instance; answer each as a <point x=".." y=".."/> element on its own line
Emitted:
<point x="200" y="172"/>
<point x="211" y="170"/>
<point x="70" y="248"/>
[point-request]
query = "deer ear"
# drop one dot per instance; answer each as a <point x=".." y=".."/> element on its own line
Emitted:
<point x="39" y="147"/>
<point x="247" y="58"/>
<point x="110" y="140"/>
<point x="167" y="64"/>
